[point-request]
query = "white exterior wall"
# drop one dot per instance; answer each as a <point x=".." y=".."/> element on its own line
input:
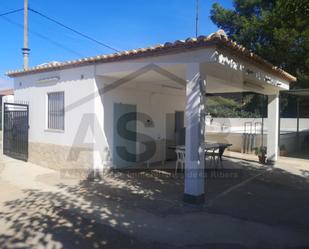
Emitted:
<point x="286" y="124"/>
<point x="75" y="88"/>
<point x="155" y="102"/>
<point x="288" y="128"/>
<point x="8" y="99"/>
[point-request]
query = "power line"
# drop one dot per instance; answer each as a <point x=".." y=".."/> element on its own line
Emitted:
<point x="60" y="24"/>
<point x="73" y="30"/>
<point x="55" y="43"/>
<point x="71" y="38"/>
<point x="11" y="12"/>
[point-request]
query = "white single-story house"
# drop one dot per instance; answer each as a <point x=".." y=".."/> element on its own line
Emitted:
<point x="125" y="108"/>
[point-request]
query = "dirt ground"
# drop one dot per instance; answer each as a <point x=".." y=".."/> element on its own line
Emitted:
<point x="247" y="206"/>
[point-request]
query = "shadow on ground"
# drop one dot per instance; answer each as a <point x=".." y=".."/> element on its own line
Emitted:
<point x="95" y="213"/>
<point x="274" y="198"/>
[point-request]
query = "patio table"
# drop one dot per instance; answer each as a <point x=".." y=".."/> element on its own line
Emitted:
<point x="207" y="146"/>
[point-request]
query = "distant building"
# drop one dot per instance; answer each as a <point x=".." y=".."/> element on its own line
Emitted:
<point x="6" y="95"/>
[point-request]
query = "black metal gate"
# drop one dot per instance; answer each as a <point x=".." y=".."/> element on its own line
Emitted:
<point x="15" y="130"/>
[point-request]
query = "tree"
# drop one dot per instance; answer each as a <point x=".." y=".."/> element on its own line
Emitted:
<point x="236" y="105"/>
<point x="277" y="30"/>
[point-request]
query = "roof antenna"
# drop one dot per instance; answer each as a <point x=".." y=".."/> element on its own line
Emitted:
<point x="197" y="15"/>
<point x="25" y="49"/>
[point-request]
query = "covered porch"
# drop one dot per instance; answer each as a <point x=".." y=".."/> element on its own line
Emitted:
<point x="147" y="105"/>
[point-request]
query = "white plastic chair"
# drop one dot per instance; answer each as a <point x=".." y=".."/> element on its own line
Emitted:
<point x="181" y="159"/>
<point x="213" y="156"/>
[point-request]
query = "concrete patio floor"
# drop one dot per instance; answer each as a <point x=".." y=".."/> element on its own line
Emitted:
<point x="247" y="206"/>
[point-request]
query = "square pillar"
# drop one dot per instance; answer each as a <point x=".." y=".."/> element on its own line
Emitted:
<point x="194" y="191"/>
<point x="273" y="128"/>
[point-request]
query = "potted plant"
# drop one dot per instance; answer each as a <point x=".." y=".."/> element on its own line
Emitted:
<point x="261" y="153"/>
<point x="283" y="150"/>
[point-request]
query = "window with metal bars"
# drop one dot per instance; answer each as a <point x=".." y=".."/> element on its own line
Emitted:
<point x="56" y="111"/>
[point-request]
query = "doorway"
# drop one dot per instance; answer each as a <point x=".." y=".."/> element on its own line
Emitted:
<point x="124" y="135"/>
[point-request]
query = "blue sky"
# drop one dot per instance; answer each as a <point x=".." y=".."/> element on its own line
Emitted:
<point x="122" y="24"/>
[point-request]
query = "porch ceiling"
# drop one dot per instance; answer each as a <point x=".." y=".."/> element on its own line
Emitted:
<point x="157" y="76"/>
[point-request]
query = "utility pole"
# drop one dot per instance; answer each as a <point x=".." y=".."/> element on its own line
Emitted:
<point x="197" y="15"/>
<point x="26" y="49"/>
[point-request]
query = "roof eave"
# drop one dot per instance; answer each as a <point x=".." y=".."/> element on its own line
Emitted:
<point x="218" y="39"/>
<point x="259" y="60"/>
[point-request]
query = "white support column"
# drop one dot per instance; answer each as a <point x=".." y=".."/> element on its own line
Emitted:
<point x="273" y="126"/>
<point x="194" y="191"/>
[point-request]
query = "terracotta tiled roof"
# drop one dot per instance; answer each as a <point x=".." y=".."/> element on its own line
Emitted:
<point x="218" y="39"/>
<point x="6" y="92"/>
